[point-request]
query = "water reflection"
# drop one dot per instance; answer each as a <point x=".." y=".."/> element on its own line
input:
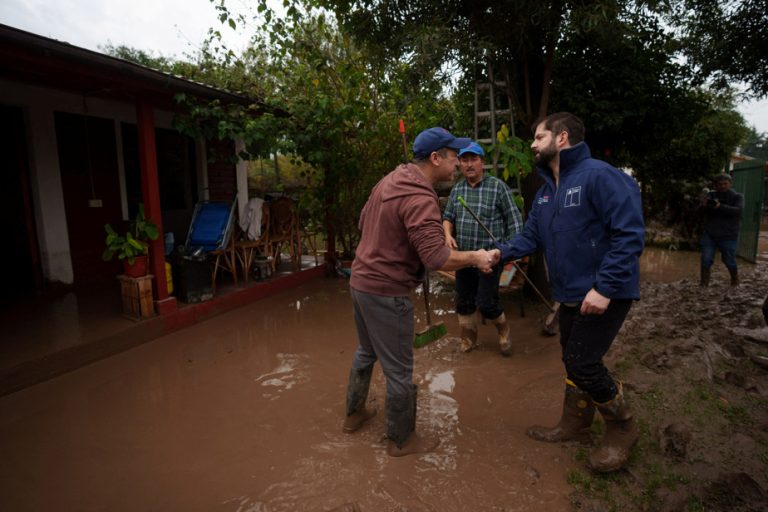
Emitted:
<point x="288" y="373"/>
<point x="666" y="265"/>
<point x="442" y="411"/>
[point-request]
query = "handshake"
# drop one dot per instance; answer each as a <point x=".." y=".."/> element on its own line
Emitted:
<point x="485" y="260"/>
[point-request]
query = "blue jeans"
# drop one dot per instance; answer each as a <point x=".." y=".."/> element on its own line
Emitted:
<point x="476" y="290"/>
<point x="727" y="251"/>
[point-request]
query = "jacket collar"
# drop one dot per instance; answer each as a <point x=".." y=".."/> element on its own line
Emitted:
<point x="569" y="158"/>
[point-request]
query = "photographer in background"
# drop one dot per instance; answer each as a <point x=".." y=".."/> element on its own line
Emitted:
<point x="722" y="209"/>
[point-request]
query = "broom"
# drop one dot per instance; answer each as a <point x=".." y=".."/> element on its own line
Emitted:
<point x="431" y="332"/>
<point x="488" y="231"/>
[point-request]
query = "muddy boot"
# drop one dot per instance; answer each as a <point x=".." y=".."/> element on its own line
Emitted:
<point x="575" y="423"/>
<point x="468" y="332"/>
<point x="706" y="273"/>
<point x="503" y="329"/>
<point x="357" y="393"/>
<point x="401" y="427"/>
<point x="621" y="434"/>
<point x="734" y="276"/>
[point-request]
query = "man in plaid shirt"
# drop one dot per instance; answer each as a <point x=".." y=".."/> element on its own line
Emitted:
<point x="491" y="200"/>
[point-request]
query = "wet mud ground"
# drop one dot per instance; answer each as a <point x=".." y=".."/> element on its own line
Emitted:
<point x="244" y="413"/>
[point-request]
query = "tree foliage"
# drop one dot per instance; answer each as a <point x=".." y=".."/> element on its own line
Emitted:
<point x="755" y="144"/>
<point x="725" y="40"/>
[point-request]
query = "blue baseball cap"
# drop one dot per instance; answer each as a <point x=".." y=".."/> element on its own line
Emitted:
<point x="473" y="147"/>
<point x="435" y="139"/>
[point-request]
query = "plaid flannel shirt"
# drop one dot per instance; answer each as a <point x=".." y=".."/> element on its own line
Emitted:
<point x="492" y="201"/>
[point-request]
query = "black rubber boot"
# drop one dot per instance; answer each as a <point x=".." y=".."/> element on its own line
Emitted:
<point x="575" y="423"/>
<point x="621" y="434"/>
<point x="357" y="393"/>
<point x="734" y="276"/>
<point x="401" y="427"/>
<point x="706" y="273"/>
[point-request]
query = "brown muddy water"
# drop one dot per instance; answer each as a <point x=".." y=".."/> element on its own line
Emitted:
<point x="244" y="413"/>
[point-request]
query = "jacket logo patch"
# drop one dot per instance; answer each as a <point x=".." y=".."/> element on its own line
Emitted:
<point x="543" y="199"/>
<point x="573" y="197"/>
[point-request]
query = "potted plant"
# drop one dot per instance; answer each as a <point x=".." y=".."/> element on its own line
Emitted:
<point x="131" y="247"/>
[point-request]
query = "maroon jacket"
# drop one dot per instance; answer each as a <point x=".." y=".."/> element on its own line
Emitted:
<point x="401" y="229"/>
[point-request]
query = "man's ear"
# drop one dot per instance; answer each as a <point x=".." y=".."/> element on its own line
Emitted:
<point x="433" y="158"/>
<point x="562" y="139"/>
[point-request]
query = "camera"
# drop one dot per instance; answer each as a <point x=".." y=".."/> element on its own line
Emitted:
<point x="711" y="202"/>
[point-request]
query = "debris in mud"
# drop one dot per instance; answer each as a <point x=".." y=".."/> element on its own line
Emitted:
<point x="738" y="490"/>
<point x="694" y="361"/>
<point x="674" y="439"/>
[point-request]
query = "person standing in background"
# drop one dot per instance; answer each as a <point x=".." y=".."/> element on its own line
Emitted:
<point x="722" y="219"/>
<point x="491" y="199"/>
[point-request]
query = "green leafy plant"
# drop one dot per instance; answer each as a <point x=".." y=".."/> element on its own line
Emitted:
<point x="134" y="242"/>
<point x="516" y="158"/>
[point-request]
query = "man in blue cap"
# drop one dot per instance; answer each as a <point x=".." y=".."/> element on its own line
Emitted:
<point x="401" y="238"/>
<point x="492" y="200"/>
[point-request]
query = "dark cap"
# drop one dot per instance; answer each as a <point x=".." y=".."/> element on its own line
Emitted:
<point x="723" y="177"/>
<point x="435" y="139"/>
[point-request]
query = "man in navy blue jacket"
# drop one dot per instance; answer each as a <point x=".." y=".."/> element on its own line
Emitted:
<point x="587" y="219"/>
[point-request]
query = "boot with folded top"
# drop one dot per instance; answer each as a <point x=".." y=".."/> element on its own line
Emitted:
<point x="575" y="422"/>
<point x="621" y="433"/>
<point x="468" y="332"/>
<point x="503" y="329"/>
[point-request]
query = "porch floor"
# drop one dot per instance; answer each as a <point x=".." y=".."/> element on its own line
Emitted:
<point x="61" y="330"/>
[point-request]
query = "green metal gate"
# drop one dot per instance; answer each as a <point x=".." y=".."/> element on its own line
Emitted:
<point x="748" y="180"/>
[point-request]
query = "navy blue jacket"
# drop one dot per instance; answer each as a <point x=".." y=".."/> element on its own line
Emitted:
<point x="590" y="228"/>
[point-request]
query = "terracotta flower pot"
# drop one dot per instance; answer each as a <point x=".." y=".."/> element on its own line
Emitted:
<point x="138" y="268"/>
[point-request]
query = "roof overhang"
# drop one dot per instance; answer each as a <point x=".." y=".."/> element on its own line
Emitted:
<point x="38" y="60"/>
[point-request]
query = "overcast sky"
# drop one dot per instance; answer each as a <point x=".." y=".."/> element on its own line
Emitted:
<point x="168" y="27"/>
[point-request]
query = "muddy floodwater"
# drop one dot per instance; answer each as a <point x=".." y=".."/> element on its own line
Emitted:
<point x="244" y="413"/>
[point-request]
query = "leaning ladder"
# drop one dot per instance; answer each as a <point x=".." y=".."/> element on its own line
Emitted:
<point x="488" y="122"/>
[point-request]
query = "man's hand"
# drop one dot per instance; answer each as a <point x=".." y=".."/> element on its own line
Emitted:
<point x="451" y="242"/>
<point x="594" y="303"/>
<point x="485" y="260"/>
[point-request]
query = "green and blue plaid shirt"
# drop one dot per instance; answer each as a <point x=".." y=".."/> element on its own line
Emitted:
<point x="492" y="201"/>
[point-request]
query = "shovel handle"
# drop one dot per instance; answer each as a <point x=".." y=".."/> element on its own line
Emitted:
<point x="405" y="144"/>
<point x="488" y="231"/>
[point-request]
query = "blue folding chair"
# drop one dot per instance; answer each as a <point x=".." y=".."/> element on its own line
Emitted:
<point x="211" y="232"/>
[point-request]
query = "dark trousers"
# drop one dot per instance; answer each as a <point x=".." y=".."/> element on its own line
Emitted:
<point x="585" y="339"/>
<point x="385" y="334"/>
<point x="476" y="290"/>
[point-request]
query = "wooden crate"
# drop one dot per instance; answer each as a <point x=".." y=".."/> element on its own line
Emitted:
<point x="137" y="296"/>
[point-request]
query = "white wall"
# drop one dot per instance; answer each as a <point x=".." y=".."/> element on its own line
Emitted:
<point x="39" y="105"/>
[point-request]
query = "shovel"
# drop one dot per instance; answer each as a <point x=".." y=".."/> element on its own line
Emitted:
<point x="431" y="332"/>
<point x="488" y="231"/>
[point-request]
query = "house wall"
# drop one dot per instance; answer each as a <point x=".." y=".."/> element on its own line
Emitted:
<point x="39" y="105"/>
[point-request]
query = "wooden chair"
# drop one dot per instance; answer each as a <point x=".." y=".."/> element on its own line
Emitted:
<point x="284" y="231"/>
<point x="247" y="249"/>
<point x="225" y="259"/>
